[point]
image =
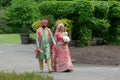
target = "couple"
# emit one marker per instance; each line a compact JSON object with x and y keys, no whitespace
{"x":56,"y":54}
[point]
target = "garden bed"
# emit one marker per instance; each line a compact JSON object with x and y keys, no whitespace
{"x":98,"y":55}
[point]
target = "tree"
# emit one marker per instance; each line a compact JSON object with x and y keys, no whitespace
{"x":5,"y":3}
{"x":21,"y":13}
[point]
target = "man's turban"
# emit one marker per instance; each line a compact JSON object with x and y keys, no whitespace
{"x":43,"y":22}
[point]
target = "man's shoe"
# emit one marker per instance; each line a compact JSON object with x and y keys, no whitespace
{"x":50,"y":71}
{"x":41,"y":71}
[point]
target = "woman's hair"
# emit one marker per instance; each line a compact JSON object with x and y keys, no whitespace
{"x":60,"y":28}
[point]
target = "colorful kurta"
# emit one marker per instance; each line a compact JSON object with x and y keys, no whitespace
{"x":62,"y":59}
{"x":43,"y":42}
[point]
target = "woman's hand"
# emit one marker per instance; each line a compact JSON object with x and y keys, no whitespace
{"x":53,"y":55}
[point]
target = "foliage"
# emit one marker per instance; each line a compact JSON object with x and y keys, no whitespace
{"x":101,"y":17}
{"x":114,"y":30}
{"x":58,"y":9}
{"x":3,"y":22}
{"x":100,"y":28}
{"x":85,"y":10}
{"x":5,"y":3}
{"x":36,"y":25}
{"x":50,"y":19}
{"x":8,"y":30}
{"x":21,"y":13}
{"x":101,"y":9}
{"x":115,"y":10}
{"x":67,"y":23}
{"x":23,"y":76}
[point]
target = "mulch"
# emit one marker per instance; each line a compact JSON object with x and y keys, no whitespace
{"x":98,"y":55}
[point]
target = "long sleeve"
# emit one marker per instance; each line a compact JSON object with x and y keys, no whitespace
{"x":37,"y":43}
{"x":53,"y":39}
{"x":38,"y":34}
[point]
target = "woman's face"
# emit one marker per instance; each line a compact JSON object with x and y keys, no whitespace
{"x":62,"y":29}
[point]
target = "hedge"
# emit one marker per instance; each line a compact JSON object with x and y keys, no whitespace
{"x":99,"y":17}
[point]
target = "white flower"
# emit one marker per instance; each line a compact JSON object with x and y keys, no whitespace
{"x":66,"y":39}
{"x":66,"y":33}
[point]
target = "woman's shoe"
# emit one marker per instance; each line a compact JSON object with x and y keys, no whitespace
{"x":67,"y":70}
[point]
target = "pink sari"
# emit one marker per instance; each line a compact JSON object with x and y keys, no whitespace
{"x":62,"y":59}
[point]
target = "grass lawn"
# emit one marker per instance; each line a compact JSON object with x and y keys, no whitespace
{"x":23,"y":76}
{"x":12,"y":38}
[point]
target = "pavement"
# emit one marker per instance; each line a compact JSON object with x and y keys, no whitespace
{"x":20,"y":58}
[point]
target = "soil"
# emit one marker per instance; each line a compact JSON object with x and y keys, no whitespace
{"x":100,"y":55}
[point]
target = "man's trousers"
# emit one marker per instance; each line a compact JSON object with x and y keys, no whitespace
{"x":41,"y":61}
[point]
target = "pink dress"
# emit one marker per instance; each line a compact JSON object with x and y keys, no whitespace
{"x":62,"y":59}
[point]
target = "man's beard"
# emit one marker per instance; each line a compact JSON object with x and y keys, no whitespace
{"x":44,"y":27}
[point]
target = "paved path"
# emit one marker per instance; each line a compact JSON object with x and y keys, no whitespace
{"x":20,"y":58}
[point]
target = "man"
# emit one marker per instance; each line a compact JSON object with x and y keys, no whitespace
{"x":44,"y":38}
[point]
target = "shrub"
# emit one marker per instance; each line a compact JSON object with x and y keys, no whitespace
{"x":86,"y":16}
{"x":67,"y":23}
{"x":114,"y":17}
{"x":101,"y":9}
{"x":50,"y":19}
{"x":21,"y":13}
{"x":8,"y":30}
{"x":36,"y":25}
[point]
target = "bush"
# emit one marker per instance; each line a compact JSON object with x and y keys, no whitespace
{"x":115,"y":10}
{"x":1,"y":32}
{"x":86,"y":16}
{"x":50,"y":19}
{"x":67,"y":23}
{"x":8,"y":30}
{"x":37,"y":24}
{"x":58,"y":9}
{"x":114,"y":17}
{"x":21,"y":13}
{"x":100,"y":28}
{"x":101,"y":9}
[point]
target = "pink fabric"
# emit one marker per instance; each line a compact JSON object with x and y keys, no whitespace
{"x":51,"y":45}
{"x":62,"y":59}
{"x":44,"y":22}
{"x":58,"y":37}
{"x":39,"y":33}
{"x":36,"y":51}
{"x":51,"y":48}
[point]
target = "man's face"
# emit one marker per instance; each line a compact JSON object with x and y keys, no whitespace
{"x":44,"y":26}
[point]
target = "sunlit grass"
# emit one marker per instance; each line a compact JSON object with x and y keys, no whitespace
{"x":23,"y":76}
{"x":33,"y":35}
{"x":12,"y":38}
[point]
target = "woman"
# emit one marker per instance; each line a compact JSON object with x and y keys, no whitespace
{"x":61,"y":60}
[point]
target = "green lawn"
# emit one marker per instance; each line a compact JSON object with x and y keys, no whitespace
{"x":23,"y":76}
{"x":12,"y":38}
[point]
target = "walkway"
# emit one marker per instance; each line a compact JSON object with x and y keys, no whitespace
{"x":20,"y":58}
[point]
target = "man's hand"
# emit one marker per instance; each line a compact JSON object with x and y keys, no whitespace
{"x":40,"y":50}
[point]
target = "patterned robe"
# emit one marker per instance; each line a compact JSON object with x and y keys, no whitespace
{"x":62,"y":59}
{"x":44,"y":38}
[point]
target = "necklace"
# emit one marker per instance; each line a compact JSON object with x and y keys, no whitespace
{"x":62,"y":33}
